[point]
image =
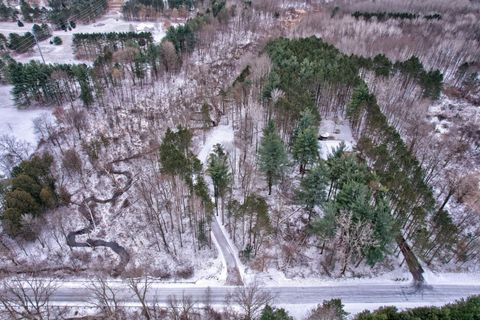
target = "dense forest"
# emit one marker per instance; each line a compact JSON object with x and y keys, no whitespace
{"x":316,"y":66}
{"x":92,"y":45}
{"x":382,"y":16}
{"x":152,"y":9}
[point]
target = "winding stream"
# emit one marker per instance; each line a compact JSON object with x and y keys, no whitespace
{"x":87,"y":210}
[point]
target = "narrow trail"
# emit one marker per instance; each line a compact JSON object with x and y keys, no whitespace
{"x":87,"y":210}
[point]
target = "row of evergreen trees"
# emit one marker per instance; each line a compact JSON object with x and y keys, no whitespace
{"x":151,"y":9}
{"x":302,"y":69}
{"x":382,"y":16}
{"x":333,"y":309}
{"x":18,"y":43}
{"x":430,"y":81}
{"x":46,"y":84}
{"x":91,"y":45}
{"x":413,"y":204}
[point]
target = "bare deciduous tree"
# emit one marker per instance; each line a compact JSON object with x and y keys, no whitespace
{"x":12,"y":152}
{"x":169,"y":55}
{"x":71,"y":162}
{"x":182,"y":309}
{"x":28,"y":298}
{"x":44,"y":128}
{"x":105,"y":297}
{"x":251,"y":299}
{"x":140,"y":289}
{"x":352,"y":237}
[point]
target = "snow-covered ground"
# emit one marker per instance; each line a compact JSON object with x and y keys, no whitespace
{"x":16,"y":122}
{"x":222,"y":134}
{"x":338,"y":131}
{"x":64,"y":53}
{"x":19,"y":123}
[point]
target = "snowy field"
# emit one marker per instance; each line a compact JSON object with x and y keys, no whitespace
{"x":64,"y":53}
{"x":13,"y":121}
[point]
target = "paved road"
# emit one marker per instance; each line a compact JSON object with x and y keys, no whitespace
{"x":233,"y":273}
{"x":379,"y":294}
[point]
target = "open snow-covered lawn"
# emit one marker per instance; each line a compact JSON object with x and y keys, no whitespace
{"x":64,"y":53}
{"x":16,"y":122}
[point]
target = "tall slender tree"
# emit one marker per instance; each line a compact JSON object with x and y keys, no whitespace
{"x":312,"y":191}
{"x":219,"y":171}
{"x":304,"y":141}
{"x":272,"y":155}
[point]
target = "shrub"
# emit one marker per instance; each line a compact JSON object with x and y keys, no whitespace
{"x":57,"y":40}
{"x":71,"y":161}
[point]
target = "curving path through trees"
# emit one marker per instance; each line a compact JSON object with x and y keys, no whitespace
{"x":87,"y":210}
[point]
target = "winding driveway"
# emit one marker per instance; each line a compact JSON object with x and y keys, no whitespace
{"x":233,"y":273}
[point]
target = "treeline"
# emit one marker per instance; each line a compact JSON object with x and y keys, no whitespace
{"x":29,"y":193}
{"x":303,"y":70}
{"x":411,"y":198}
{"x":184,"y":172}
{"x":382,"y":16}
{"x":430,"y":81}
{"x":46,"y":84}
{"x":91,"y":45}
{"x":467,"y":309}
{"x":64,"y":14}
{"x":151,"y":9}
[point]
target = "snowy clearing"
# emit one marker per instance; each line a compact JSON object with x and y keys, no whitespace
{"x":338,"y":131}
{"x":64,"y":53}
{"x":16,"y":122}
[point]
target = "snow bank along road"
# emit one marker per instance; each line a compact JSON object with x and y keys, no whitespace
{"x":77,"y":295}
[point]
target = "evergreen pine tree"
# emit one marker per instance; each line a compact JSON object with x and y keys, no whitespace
{"x":312,"y":190}
{"x":304,"y":141}
{"x":270,"y":313}
{"x":219,"y":171}
{"x":272,"y":155}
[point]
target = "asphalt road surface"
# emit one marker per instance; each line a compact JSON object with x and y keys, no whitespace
{"x":233,"y":273}
{"x":387,"y":294}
